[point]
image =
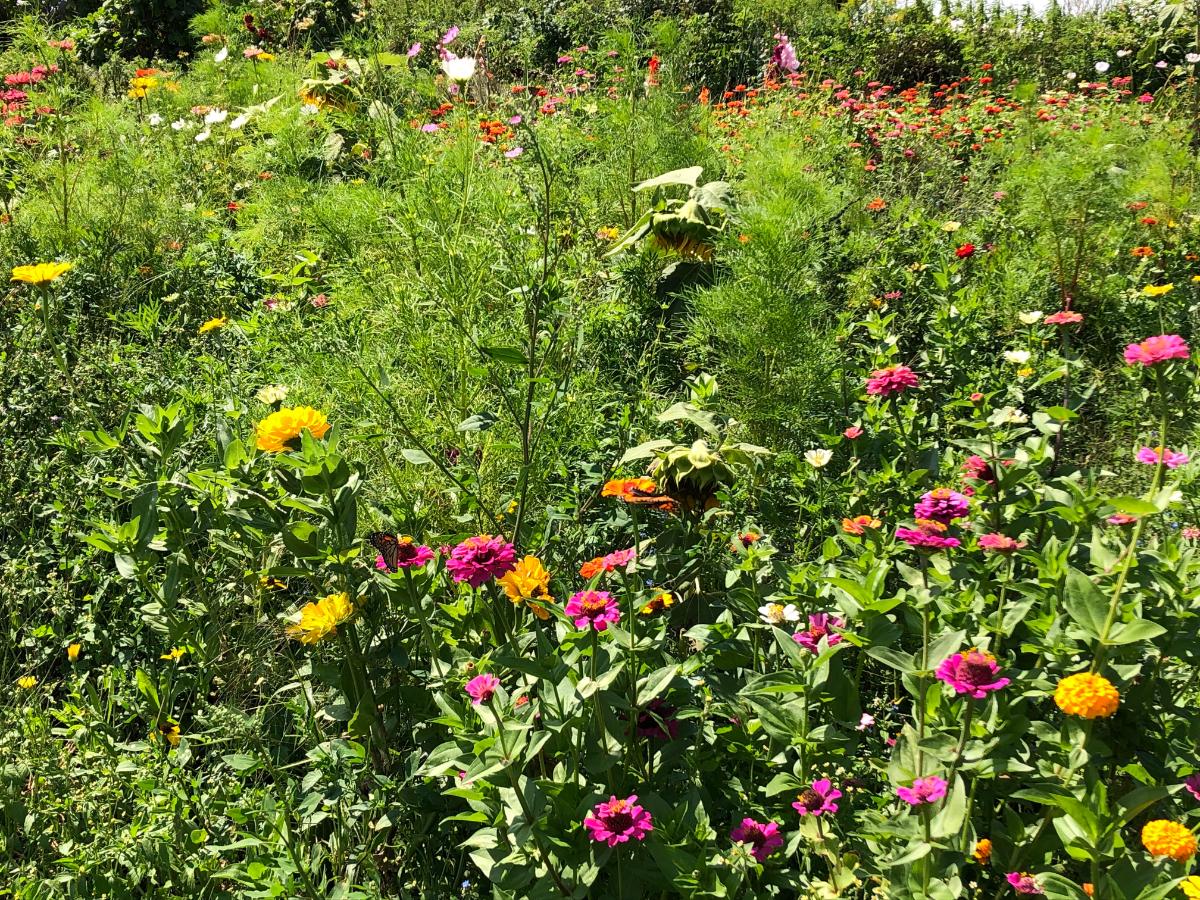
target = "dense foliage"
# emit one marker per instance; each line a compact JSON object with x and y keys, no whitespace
{"x":539,"y":458}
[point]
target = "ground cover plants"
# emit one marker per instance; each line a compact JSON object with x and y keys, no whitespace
{"x":429,"y":475}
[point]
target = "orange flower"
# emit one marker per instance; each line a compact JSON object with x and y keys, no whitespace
{"x":1142,"y":252}
{"x":638,"y":490}
{"x":592,"y":568}
{"x":859,"y":524}
{"x":877,"y":204}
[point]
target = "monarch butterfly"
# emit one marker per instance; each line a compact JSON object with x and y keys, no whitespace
{"x":389,"y":547}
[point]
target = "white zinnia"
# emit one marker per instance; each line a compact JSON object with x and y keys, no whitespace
{"x":1101,"y":68}
{"x":221,"y":55}
{"x":459,"y":68}
{"x":272,"y":393}
{"x":777,"y":613}
{"x":1029,"y":318}
{"x":215,"y":116}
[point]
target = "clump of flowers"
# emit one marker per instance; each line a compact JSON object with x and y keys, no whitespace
{"x":820,"y":626}
{"x":1023,"y":883}
{"x":320,"y":619}
{"x":942,"y":505}
{"x":1162,"y":837}
{"x":1087,"y":695}
{"x":763,"y":837}
{"x":1152,"y":456}
{"x":528,"y":582}
{"x":891,"y":380}
{"x":972,"y":672}
{"x":818,"y":799}
{"x":593,"y":609}
{"x":481,"y":558}
{"x":1157,"y":349}
{"x":610,"y":562}
{"x":482,"y":688}
{"x":281,"y":430}
{"x":618,"y":821}
{"x":929,"y":789}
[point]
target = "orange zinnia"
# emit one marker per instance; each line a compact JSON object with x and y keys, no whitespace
{"x":637,"y":490}
{"x":859,"y":524}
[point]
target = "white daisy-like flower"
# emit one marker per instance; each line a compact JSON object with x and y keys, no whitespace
{"x":778,"y":613}
{"x":459,"y":68}
{"x":1031,"y":317}
{"x":1017,"y":357}
{"x":818,"y":458}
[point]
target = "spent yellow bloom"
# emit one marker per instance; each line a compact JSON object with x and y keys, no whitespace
{"x":319,"y":620}
{"x":28,"y":682}
{"x":213,"y":325}
{"x":1162,"y":837}
{"x":529,"y":583}
{"x":281,"y":430}
{"x":950,"y":227}
{"x":1157,"y":290}
{"x":39,"y":273}
{"x":1087,"y":695}
{"x":271,"y":394}
{"x":73,"y":651}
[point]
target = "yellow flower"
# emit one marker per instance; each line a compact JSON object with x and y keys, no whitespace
{"x":983,"y":851}
{"x":73,"y":652}
{"x":1191,"y":887}
{"x":321,"y":619}
{"x":950,"y":227}
{"x":175,"y":654}
{"x":39,"y":273}
{"x":658,"y":602}
{"x":1195,"y":278}
{"x":1162,"y":837}
{"x":1157,"y":290}
{"x":28,"y":682}
{"x":213,"y":325}
{"x":1088,"y":696}
{"x":529,"y":583}
{"x":168,"y":730}
{"x":265,"y":56}
{"x":281,"y":430}
{"x":1024,"y":372}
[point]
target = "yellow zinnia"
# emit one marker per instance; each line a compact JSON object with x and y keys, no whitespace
{"x":1162,"y":837}
{"x":1191,"y":887}
{"x":213,"y":325}
{"x":73,"y":652}
{"x":1088,"y":696}
{"x":28,"y":682}
{"x":658,"y":602}
{"x":529,"y":582}
{"x":175,"y":654}
{"x":320,"y":619}
{"x":983,"y":851}
{"x":39,"y":273}
{"x":281,"y":430}
{"x":1157,"y":290}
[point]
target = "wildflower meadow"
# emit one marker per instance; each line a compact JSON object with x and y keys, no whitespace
{"x":599,"y":451}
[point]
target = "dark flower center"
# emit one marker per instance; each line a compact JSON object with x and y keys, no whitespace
{"x":810,"y":799}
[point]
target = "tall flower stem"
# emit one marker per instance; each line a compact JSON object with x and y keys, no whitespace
{"x":923,"y":674}
{"x":419,"y":611}
{"x":962,"y":745}
{"x":1008,"y":576}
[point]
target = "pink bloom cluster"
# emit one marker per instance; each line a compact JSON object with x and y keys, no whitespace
{"x":481,"y":688}
{"x":972,"y":672}
{"x":926,"y":537}
{"x":616,"y":821}
{"x":942,"y":505}
{"x":891,"y":380}
{"x":1152,"y":456}
{"x":763,"y":837}
{"x":1023,"y":883}
{"x":593,"y":609}
{"x":819,"y":626}
{"x":33,"y":76}
{"x":930,"y":789}
{"x":1000,"y":543}
{"x":1154,"y":350}
{"x":817,"y":800}
{"x":481,"y":558}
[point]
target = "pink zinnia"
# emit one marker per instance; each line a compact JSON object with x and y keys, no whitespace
{"x":1190,"y":533}
{"x":977,"y":468}
{"x":1066,"y":317}
{"x":818,"y":799}
{"x":1156,"y":349}
{"x":819,"y":625}
{"x":1000,"y":543}
{"x":942,"y":505}
{"x":926,"y":539}
{"x":481,"y":558}
{"x":891,"y":380}
{"x":482,"y":687}
{"x":616,"y":821}
{"x":763,"y":837}
{"x":852,"y":433}
{"x":972,"y":672}
{"x":1152,"y":456}
{"x":924,"y":790}
{"x":1121,"y":519}
{"x":593,"y":609}
{"x":409,"y":555}
{"x":1192,"y":783}
{"x":658,"y":720}
{"x":1023,"y":883}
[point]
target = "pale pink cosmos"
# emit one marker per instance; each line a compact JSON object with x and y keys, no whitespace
{"x":817,"y":800}
{"x":482,"y":688}
{"x":1154,"y":350}
{"x":1152,"y":456}
{"x":972,"y":672}
{"x":929,"y":789}
{"x":763,"y":837}
{"x":616,"y":821}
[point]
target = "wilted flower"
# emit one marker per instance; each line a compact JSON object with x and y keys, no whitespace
{"x":617,"y":821}
{"x":763,"y":837}
{"x":657,"y":720}
{"x":817,"y":800}
{"x":929,"y":789}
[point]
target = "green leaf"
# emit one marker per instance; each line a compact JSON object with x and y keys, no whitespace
{"x":511,"y":356}
{"x":1134,"y":506}
{"x":1055,"y":886}
{"x":478,"y":422}
{"x":242,"y":763}
{"x":655,"y":683}
{"x":1137,"y":630}
{"x":1084,"y":603}
{"x":685,"y":177}
{"x":901,"y":662}
{"x":416,"y":457}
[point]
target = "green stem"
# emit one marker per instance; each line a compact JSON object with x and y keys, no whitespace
{"x":427,"y":631}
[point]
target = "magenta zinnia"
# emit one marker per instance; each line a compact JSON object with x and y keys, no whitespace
{"x":593,"y":609}
{"x":763,"y":837}
{"x":891,"y":380}
{"x":479,"y":559}
{"x":1152,"y":456}
{"x":481,"y":688}
{"x":924,"y":790}
{"x":819,"y":625}
{"x":926,"y":537}
{"x":658,"y":720}
{"x":409,"y":555}
{"x":817,"y":799}
{"x":972,"y":672}
{"x":616,"y":821}
{"x":942,"y":505}
{"x":1192,"y":783}
{"x":1023,"y":883}
{"x":1154,"y":350}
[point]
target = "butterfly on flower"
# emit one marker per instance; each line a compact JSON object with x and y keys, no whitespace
{"x":398,"y":552}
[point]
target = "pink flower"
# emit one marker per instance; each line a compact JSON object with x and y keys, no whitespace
{"x":1152,"y":456}
{"x":942,"y":505}
{"x":414,"y":50}
{"x":1066,"y":317}
{"x":593,"y":609}
{"x":891,"y":380}
{"x":658,"y":720}
{"x":1190,"y":533}
{"x":818,"y":799}
{"x":977,"y":469}
{"x":924,"y":790}
{"x":1192,"y":783}
{"x":1023,"y":883}
{"x":408,"y":555}
{"x":449,"y":36}
{"x":482,"y":687}
{"x":481,"y":558}
{"x":1145,"y":98}
{"x":430,"y":127}
{"x":972,"y":672}
{"x":866,"y":721}
{"x":1000,"y":543}
{"x":320,"y":301}
{"x":1154,"y":350}
{"x":514,"y":152}
{"x":819,"y":625}
{"x":1121,"y":519}
{"x":926,"y":539}
{"x":616,"y":821}
{"x":852,"y":433}
{"x":763,"y":837}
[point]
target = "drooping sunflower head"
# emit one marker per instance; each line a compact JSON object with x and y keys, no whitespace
{"x":281,"y":430}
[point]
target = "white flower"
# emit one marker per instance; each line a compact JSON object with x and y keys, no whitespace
{"x":203,"y":136}
{"x":221,"y":55}
{"x":1017,"y":357}
{"x":1007,"y":415}
{"x":271,"y":394}
{"x":179,"y":124}
{"x":866,"y":721}
{"x":777,"y":613}
{"x":239,"y":121}
{"x":1121,"y":54}
{"x":956,"y":24}
{"x":1101,"y":68}
{"x":1192,"y":58}
{"x":309,"y":109}
{"x":217,"y":115}
{"x":154,"y":119}
{"x":459,"y":68}
{"x":951,"y":226}
{"x":818,"y":458}
{"x":1029,"y":318}
{"x":1071,"y":76}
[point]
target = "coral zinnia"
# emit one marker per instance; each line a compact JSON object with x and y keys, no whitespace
{"x":281,"y":430}
{"x":39,"y":273}
{"x":593,"y":609}
{"x":1154,"y":350}
{"x":480,"y":558}
{"x":320,"y":619}
{"x":972,"y":672}
{"x":1065,"y":317}
{"x":528,"y":582}
{"x":891,"y":380}
{"x":763,"y":837}
{"x":1087,"y":695}
{"x":817,"y":800}
{"x":1000,"y":543}
{"x":860,"y":524}
{"x":616,"y":821}
{"x":1162,"y":837}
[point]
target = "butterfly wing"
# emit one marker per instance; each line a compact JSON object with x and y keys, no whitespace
{"x":388,"y":546}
